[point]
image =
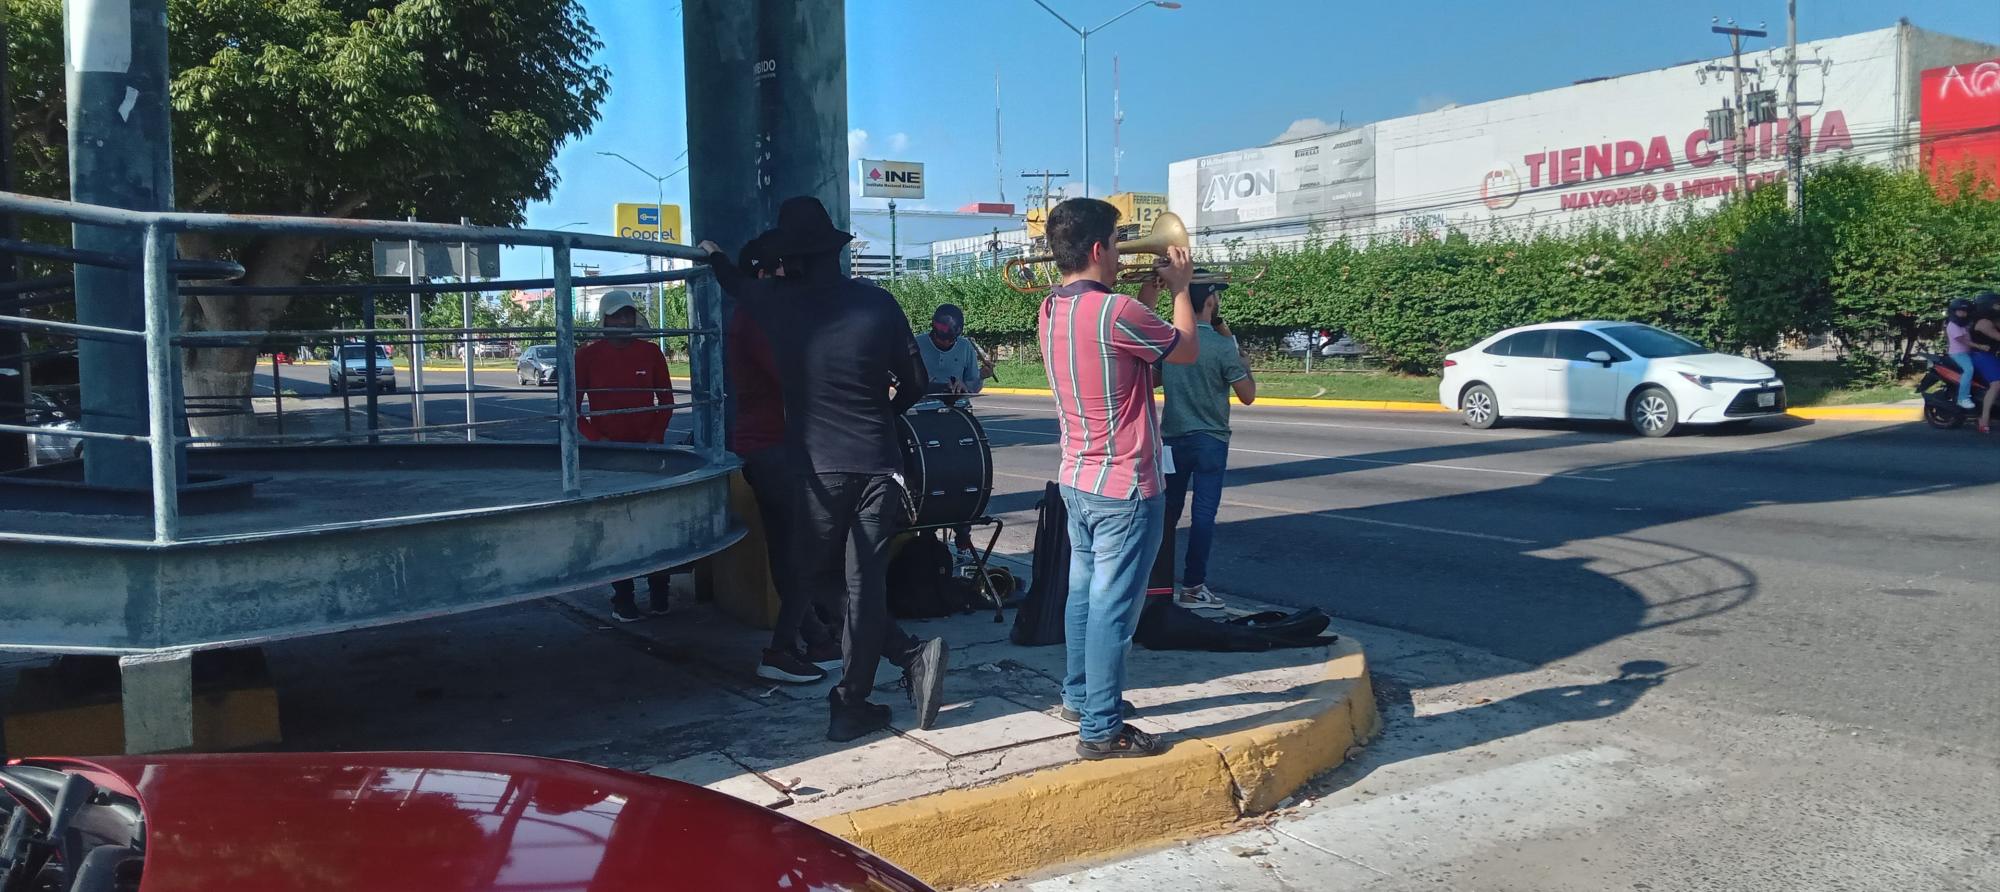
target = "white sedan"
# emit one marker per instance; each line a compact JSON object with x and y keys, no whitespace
{"x":1654,"y":379}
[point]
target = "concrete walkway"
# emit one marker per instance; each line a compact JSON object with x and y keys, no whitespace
{"x":994,"y":791}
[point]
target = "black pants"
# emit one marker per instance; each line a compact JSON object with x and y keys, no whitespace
{"x":849,"y":520}
{"x":656,"y":584}
{"x":779,"y":488}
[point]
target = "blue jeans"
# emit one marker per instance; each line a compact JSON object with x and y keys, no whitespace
{"x":1112,"y":543}
{"x":1199,"y":458}
{"x":1965,"y":368}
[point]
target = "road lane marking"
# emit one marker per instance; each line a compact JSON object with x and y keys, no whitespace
{"x":1330,"y":514}
{"x":1368,"y":461}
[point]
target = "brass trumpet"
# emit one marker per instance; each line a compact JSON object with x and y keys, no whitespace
{"x":1168,"y":232}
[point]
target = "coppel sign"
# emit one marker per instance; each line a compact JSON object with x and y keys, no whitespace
{"x":648,"y":221}
{"x":892,"y":179}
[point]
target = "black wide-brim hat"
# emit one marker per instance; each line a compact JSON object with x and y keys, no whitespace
{"x":804,"y":227}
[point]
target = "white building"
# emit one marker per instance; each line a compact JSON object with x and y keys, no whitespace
{"x":1617,"y":150}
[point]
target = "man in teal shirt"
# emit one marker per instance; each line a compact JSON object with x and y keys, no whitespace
{"x":1195,"y":425}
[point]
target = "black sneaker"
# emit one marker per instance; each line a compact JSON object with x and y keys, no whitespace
{"x":1125,"y":708}
{"x":624,"y":609}
{"x":859,"y":720}
{"x":826,"y":655}
{"x":788,"y":667}
{"x":1130,"y":743}
{"x":924,"y":680}
{"x":658,"y":604}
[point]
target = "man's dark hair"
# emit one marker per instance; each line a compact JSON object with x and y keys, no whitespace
{"x":1077,"y":225}
{"x":1199,"y":296}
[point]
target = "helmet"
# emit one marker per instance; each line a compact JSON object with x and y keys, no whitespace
{"x":1986,"y":305}
{"x":1959,"y":308}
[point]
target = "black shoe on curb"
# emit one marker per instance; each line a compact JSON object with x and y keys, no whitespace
{"x":826,"y":655}
{"x":625,"y":610}
{"x":788,"y":667}
{"x":658,"y":604}
{"x":1125,"y":708}
{"x":924,"y":679}
{"x":852,"y":722}
{"x":1130,"y":743}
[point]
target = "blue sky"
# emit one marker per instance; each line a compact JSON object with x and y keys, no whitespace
{"x":1211,"y":76}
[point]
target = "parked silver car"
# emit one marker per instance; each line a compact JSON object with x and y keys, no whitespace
{"x":46,"y":413}
{"x":537,"y":365}
{"x":350,"y":368}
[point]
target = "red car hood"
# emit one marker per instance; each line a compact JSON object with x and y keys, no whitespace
{"x":376,"y":822}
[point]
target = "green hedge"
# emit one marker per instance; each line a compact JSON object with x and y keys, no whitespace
{"x":1873,"y":261}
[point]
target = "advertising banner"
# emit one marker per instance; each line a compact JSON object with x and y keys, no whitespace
{"x":648,"y":221}
{"x":1326,"y":176}
{"x":892,"y":179}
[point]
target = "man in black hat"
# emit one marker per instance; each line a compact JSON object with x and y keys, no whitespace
{"x":842,"y":346}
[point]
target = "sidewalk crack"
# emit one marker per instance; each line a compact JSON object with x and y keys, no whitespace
{"x":1329,"y":852}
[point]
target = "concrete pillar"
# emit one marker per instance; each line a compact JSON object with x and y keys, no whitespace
{"x":157,"y":692}
{"x":13,"y":343}
{"x":120,"y":154}
{"x":767,"y":112}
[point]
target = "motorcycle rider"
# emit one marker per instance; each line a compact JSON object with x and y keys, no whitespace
{"x":1958,"y":343}
{"x":1985,"y":342}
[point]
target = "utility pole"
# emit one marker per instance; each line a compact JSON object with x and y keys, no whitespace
{"x":1795,"y":182}
{"x":465,"y":337}
{"x":1740,"y":118}
{"x":1117,"y":125}
{"x":892,"y":238}
{"x":1044,"y":174}
{"x":999,"y":179}
{"x":416,"y":342}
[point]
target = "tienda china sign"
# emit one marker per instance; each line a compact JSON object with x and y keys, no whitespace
{"x":1627,"y":158}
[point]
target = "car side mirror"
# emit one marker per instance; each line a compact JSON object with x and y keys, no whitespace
{"x":1598,"y":356}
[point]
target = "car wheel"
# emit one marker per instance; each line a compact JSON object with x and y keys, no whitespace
{"x":1479,"y":407}
{"x":1653,"y":412}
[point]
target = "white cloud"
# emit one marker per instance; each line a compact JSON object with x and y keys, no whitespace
{"x":857,"y":143}
{"x":1304,"y":127}
{"x":898,"y":142}
{"x":1433,"y":101}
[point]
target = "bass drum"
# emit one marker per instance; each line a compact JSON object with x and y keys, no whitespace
{"x":947,"y":463}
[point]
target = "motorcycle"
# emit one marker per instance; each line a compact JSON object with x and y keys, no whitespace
{"x":1939,"y":388}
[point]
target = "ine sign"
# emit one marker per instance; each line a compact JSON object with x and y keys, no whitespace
{"x":892,"y":179}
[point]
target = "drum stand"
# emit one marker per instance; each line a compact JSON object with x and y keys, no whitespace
{"x":981,"y":555}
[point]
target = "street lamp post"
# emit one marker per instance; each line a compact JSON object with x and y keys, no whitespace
{"x":659,"y":235}
{"x":1083,"y":44}
{"x":545,"y":257}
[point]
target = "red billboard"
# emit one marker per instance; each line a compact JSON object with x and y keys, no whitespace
{"x":1961,"y":123}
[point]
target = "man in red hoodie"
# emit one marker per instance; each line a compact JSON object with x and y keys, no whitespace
{"x":619,"y":374}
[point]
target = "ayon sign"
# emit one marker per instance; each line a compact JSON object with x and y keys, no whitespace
{"x":892,"y":179}
{"x":1232,"y":186}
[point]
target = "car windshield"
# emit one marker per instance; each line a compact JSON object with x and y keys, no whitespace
{"x":354,"y":351}
{"x":1653,"y":343}
{"x":541,"y":352}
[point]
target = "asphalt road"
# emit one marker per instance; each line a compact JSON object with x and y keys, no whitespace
{"x":1845,"y":571}
{"x":1755,"y":659}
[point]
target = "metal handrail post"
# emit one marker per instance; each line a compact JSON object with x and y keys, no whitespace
{"x":705,"y":365}
{"x":566,"y":433}
{"x":161,"y":440}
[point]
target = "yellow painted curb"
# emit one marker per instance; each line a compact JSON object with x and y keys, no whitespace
{"x":1092,"y":809}
{"x":1858,"y":413}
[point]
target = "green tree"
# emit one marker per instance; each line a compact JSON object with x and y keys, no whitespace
{"x":334,"y":108}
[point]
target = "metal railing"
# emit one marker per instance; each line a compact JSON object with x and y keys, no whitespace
{"x":163,"y":344}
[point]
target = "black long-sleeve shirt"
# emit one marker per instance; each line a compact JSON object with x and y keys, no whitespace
{"x":840,"y":345}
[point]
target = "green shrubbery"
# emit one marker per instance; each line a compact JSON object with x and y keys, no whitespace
{"x":1873,"y":262}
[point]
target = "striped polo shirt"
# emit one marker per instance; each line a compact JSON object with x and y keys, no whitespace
{"x":1099,"y":347}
